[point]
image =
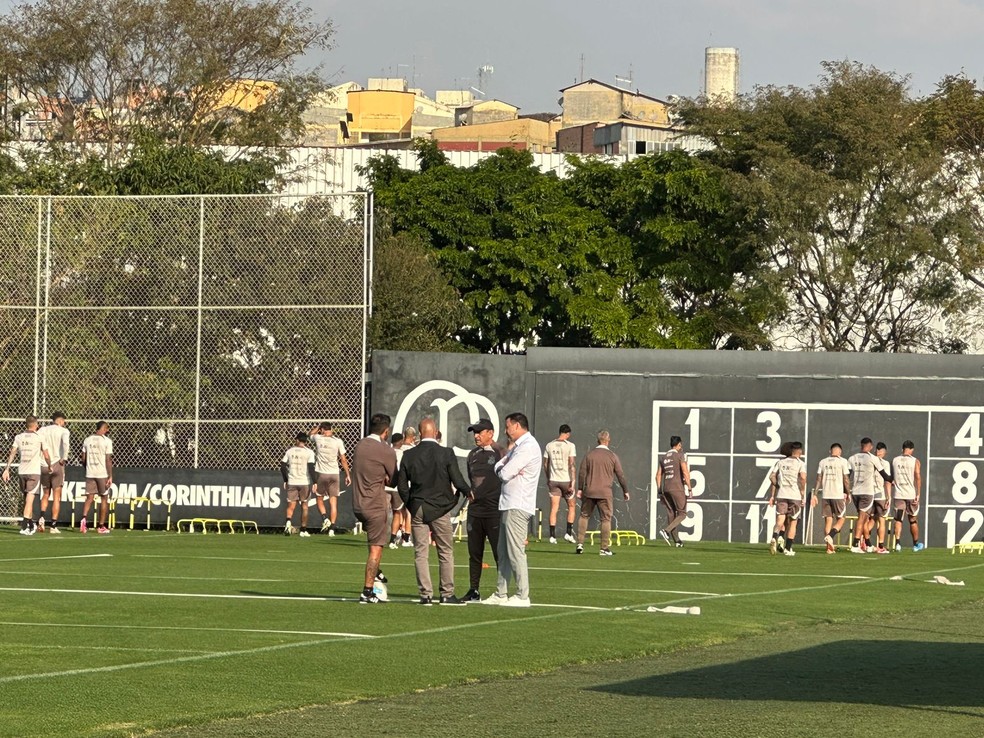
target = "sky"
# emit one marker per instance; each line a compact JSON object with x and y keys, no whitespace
{"x":535,"y":46}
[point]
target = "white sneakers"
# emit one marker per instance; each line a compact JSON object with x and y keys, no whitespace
{"x":517,"y":601}
{"x":569,"y":537}
{"x":552,"y":539}
{"x":304,"y":534}
{"x":495,"y":599}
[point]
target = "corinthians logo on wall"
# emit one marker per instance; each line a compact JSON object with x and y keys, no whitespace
{"x":455,"y":408}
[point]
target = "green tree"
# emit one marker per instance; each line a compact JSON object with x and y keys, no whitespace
{"x":414,"y":307}
{"x":191,"y":71}
{"x":847,"y":178}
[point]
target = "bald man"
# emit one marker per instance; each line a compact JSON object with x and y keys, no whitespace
{"x":427,"y":473}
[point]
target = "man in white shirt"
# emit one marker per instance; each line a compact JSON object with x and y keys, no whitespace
{"x":401,"y":532}
{"x":788,"y":493}
{"x":297,"y":469}
{"x":519,"y":471}
{"x":58,"y":440}
{"x":833,"y":487}
{"x":907,"y":472}
{"x":34,"y":456}
{"x":864,"y":473}
{"x":560,"y":463}
{"x":97,"y":457}
{"x":330,"y":452}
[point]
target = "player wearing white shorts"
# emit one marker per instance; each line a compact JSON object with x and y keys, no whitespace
{"x":97,"y":457}
{"x":329,"y":451}
{"x":788,"y":494}
{"x":400,"y":534}
{"x":907,"y":472}
{"x":833,"y":487}
{"x":297,"y":469}
{"x":34,"y":456}
{"x":559,"y":467}
{"x":58,"y":440}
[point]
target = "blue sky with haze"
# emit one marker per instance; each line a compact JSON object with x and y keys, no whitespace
{"x":535,"y":45}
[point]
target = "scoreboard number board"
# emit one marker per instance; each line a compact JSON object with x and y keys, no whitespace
{"x":732,"y":446}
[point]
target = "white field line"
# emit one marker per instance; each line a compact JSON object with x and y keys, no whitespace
{"x":632,"y":589}
{"x":387,"y":564}
{"x":48,"y":646}
{"x":355,"y":636}
{"x":202,"y":595}
{"x":143,"y":576}
{"x":53,"y":558}
{"x":411,"y":634}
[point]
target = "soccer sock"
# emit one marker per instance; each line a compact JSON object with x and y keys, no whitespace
{"x":393,"y":538}
{"x":775,"y":535}
{"x":789,"y":544}
{"x":553,"y":531}
{"x":25,"y":523}
{"x":570,"y":529}
{"x":834,"y":532}
{"x":856,"y":542}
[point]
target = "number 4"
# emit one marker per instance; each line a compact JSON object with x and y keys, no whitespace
{"x":969,"y":435}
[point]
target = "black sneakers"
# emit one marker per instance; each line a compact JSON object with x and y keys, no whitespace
{"x":368,"y":597}
{"x":579,"y":549}
{"x":426,"y":601}
{"x":451,"y":600}
{"x":472,"y":595}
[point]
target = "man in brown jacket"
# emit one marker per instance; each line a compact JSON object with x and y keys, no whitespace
{"x":374,"y":468}
{"x":600,"y":468}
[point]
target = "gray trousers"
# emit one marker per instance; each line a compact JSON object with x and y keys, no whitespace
{"x":441,"y":528}
{"x":513,"y":529}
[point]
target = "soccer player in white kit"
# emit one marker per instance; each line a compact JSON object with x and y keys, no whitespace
{"x":97,"y":457}
{"x":788,"y":494}
{"x":297,"y":469}
{"x":58,"y":440}
{"x":30,"y":446}
{"x":864,"y":473}
{"x":908,"y":483}
{"x":559,"y":466}
{"x":833,"y":486}
{"x":329,"y":451}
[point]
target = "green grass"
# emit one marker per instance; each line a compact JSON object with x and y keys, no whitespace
{"x":784,"y":646}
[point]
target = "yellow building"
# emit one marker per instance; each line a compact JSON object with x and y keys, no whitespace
{"x":378,"y":115}
{"x":592,"y":101}
{"x":521,"y":133}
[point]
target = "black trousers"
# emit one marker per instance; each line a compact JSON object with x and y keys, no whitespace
{"x":481,"y":530}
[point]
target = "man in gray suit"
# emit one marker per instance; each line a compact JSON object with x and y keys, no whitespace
{"x":427,"y":473}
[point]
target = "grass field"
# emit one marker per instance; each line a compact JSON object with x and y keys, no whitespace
{"x":139,"y":633}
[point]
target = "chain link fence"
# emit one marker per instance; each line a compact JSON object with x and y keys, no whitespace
{"x":206,"y":330}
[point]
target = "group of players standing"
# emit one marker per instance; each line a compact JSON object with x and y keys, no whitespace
{"x":43,"y":453}
{"x":867,"y":478}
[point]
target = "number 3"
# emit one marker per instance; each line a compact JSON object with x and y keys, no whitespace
{"x":772,"y":422}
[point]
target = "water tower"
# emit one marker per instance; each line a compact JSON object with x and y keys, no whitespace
{"x":721,"y":74}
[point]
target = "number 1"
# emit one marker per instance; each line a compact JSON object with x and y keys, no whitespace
{"x":693,"y":420}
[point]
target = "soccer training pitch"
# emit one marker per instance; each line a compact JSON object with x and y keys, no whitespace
{"x":141,"y":633}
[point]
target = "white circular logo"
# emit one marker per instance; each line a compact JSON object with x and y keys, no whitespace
{"x":459,"y":396}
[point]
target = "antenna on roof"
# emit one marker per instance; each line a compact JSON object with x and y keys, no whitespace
{"x":626,"y":81}
{"x":485,"y":73}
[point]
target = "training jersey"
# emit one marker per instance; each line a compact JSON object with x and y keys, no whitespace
{"x":832,"y":471}
{"x":30,"y":445}
{"x":297,"y":459}
{"x":672,"y":466}
{"x":904,"y":471}
{"x":788,"y":473}
{"x":559,"y":454}
{"x":328,"y":449}
{"x":57,"y":440}
{"x":881,"y":465}
{"x":96,"y":449}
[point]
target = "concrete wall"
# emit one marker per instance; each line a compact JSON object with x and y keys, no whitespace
{"x":733,"y":411}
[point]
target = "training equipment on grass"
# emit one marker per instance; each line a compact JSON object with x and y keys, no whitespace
{"x":673,"y":610}
{"x":379,"y":589}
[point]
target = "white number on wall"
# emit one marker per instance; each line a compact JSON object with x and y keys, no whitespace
{"x":696,"y":475}
{"x":969,"y":435}
{"x":756,"y":517}
{"x":692,"y":529}
{"x":964,"y":488}
{"x":693,"y":420}
{"x":974,"y":517}
{"x":772,"y":440}
{"x":763,"y":489}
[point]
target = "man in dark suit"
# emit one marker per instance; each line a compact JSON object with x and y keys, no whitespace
{"x":427,"y":473}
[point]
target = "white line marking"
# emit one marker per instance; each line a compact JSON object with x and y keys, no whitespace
{"x":394,"y":564}
{"x":633,"y":589}
{"x":569,"y":607}
{"x":52,"y":558}
{"x":144,"y":576}
{"x":183,"y":627}
{"x":202,"y":595}
{"x":47,"y":646}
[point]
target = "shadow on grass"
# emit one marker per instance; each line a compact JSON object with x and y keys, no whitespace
{"x":890,"y":673}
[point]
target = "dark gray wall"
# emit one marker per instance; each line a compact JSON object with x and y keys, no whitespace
{"x":744,"y":405}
